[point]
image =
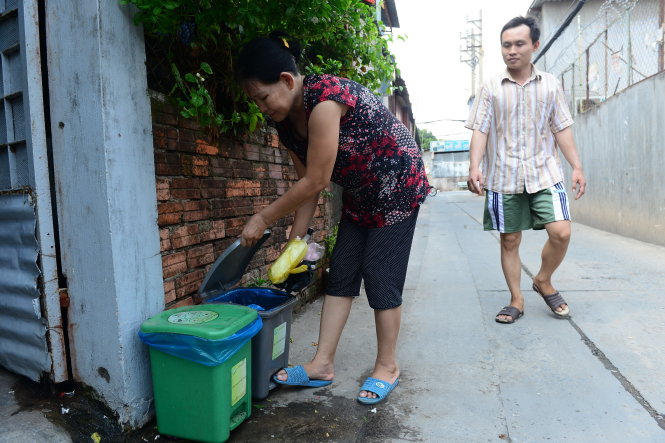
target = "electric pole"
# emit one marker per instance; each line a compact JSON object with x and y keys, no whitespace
{"x":471,"y":49}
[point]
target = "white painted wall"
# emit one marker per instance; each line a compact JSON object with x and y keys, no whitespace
{"x":622,"y":147}
{"x":105,"y":186}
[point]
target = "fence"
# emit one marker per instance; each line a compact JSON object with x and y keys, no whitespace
{"x":601,"y":54}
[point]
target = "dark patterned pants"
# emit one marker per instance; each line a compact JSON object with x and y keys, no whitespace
{"x":377,"y":256}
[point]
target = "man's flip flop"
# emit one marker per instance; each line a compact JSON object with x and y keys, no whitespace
{"x":554,"y":301}
{"x":298,"y":377}
{"x":512,"y":311}
{"x":381,"y":388}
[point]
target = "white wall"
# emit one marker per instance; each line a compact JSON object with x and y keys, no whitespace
{"x":105,"y":187}
{"x":622,"y":146}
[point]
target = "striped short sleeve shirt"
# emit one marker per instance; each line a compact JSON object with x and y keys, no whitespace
{"x":520,"y":121}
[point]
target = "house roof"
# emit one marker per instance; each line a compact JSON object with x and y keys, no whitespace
{"x":539,"y":3}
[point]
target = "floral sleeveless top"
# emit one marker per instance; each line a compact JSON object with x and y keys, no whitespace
{"x":378,"y":163}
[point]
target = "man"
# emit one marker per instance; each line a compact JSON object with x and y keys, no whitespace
{"x":518,"y":120}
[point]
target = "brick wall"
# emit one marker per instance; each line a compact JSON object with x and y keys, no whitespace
{"x":207,"y":191}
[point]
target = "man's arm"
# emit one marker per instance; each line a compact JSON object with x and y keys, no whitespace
{"x":564,"y":139}
{"x":476,"y":181}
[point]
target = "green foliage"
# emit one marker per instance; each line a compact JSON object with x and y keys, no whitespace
{"x":330,"y":240}
{"x":426,"y":137}
{"x":201,"y":37}
{"x":258,"y":282}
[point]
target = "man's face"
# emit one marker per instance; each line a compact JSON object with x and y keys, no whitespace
{"x":517,"y":47}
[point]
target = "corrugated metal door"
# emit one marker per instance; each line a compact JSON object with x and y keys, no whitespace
{"x":31,"y":336}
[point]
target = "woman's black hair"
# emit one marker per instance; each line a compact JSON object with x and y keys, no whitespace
{"x":265,"y":58}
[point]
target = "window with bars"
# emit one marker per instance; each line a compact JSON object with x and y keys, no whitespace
{"x":14,"y":167}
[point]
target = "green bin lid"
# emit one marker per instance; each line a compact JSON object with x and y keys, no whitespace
{"x":212,"y":321}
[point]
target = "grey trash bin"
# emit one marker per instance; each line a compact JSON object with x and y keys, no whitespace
{"x":270,"y":347}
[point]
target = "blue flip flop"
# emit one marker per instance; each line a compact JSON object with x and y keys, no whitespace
{"x":381,"y":388}
{"x":298,"y":377}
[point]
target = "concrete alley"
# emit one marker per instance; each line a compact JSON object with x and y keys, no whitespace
{"x":594,"y":378}
{"x":465,"y":378}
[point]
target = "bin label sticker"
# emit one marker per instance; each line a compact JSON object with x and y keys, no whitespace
{"x":192,"y":317}
{"x":279,"y":340}
{"x":238,"y":381}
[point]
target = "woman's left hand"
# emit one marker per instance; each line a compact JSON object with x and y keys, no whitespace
{"x":253,"y":230}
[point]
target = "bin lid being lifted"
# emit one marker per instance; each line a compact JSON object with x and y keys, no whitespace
{"x":230,"y":266}
{"x":212,"y":322}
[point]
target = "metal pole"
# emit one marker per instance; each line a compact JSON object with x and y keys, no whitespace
{"x":481,"y":51}
{"x":586,"y":104}
{"x":661,"y":55}
{"x":606,"y":66}
{"x":630,"y":51}
{"x":572,"y":88}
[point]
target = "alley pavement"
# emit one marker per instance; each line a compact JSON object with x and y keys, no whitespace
{"x":596,"y":377}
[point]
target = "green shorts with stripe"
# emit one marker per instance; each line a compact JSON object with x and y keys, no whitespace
{"x":508,"y":213}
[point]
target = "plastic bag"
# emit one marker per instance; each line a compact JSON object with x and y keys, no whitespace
{"x":314,"y":252}
{"x":201,"y":350}
{"x":266,"y":299}
{"x":287,"y":263}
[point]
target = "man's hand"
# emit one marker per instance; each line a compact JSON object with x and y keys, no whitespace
{"x":253,"y":230}
{"x":476,"y":182}
{"x":579,"y":183}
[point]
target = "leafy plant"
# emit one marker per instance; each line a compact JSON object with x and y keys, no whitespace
{"x":331,"y":239}
{"x":258,"y":282}
{"x":198,"y":39}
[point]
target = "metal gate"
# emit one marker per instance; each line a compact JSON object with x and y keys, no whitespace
{"x":31,"y":335}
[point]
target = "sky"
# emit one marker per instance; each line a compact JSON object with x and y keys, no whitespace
{"x":439,"y":84}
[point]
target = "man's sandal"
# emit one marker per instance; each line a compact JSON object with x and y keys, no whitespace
{"x":554,"y":301}
{"x":511,"y":311}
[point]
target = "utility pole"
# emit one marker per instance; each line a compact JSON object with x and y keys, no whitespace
{"x":471,"y":49}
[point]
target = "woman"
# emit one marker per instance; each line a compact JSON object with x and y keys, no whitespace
{"x":336,"y":129}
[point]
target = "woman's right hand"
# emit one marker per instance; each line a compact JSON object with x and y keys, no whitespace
{"x":253,"y":231}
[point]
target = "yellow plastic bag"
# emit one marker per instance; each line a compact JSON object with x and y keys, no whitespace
{"x":287,"y":262}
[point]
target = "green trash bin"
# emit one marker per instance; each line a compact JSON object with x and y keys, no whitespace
{"x":201,"y":365}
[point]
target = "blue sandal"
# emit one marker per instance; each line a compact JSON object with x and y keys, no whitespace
{"x":298,"y":377}
{"x":381,"y":388}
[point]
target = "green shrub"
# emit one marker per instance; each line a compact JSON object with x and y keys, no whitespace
{"x":191,"y":45}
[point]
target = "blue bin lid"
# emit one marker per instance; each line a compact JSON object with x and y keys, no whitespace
{"x":230,"y":266}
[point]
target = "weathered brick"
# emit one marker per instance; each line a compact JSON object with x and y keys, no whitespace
{"x":200,"y":256}
{"x":174,"y":259}
{"x":217,"y":231}
{"x":200,"y":261}
{"x":189,"y":278}
{"x":168,"y":219}
{"x":186,"y":240}
{"x":202,"y":147}
{"x":207,"y":191}
{"x":251,"y":152}
{"x":184,"y":302}
{"x":169,"y":291}
{"x":170,"y":207}
{"x":196,"y":215}
{"x":199,"y":251}
{"x":163,"y":192}
{"x":201,"y":171}
{"x":186,"y":194}
{"x":170,"y":271}
{"x":187,"y":290}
